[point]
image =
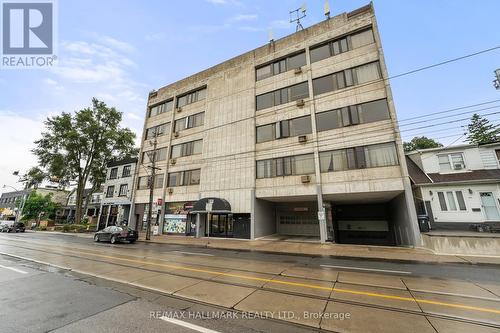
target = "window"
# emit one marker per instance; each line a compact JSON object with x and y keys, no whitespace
{"x":266,"y":133}
{"x":123,"y":190}
{"x":373,"y":111}
{"x":187,"y":149}
{"x":346,"y":78}
{"x":282,"y":96}
{"x":184,"y":178}
{"x":461,"y":201}
{"x":280,"y":66}
{"x":189,"y":122}
{"x":367,"y":73}
{"x":333,"y":160}
{"x":191,"y":97}
{"x":362,"y":38}
{"x":371,"y":156}
{"x":158,"y":180}
{"x":113,"y":174}
{"x":451,"y":200}
{"x":284,"y":129}
{"x":285,"y":166}
{"x":126,"y":171}
{"x":328,"y":120}
{"x":442,"y":201}
{"x":450,"y":162}
{"x":109,"y":191}
{"x":381,"y":155}
{"x":497,"y":152}
{"x":157,"y":131}
{"x":161,"y":108}
{"x":160,"y":155}
{"x":341,"y":45}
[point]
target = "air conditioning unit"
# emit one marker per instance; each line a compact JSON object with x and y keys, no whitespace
{"x":301,"y":103}
{"x":173,"y":161}
{"x":298,"y":70}
{"x":302,"y":138}
{"x":305,"y":179}
{"x":170,"y":190}
{"x":176,"y":134}
{"x":179,"y":109}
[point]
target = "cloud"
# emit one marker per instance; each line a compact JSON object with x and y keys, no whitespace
{"x":17,"y":140}
{"x":243,"y":17}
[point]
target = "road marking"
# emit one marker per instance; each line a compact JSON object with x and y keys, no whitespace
{"x":14,"y":269}
{"x":366,"y":269}
{"x":195,"y":253}
{"x":188,"y":325}
{"x":305,"y":285}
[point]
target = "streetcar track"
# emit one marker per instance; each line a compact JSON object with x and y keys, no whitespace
{"x":286,"y":292}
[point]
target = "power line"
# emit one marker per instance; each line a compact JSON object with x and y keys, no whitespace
{"x":458,"y":114}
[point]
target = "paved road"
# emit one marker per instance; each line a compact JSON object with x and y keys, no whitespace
{"x":306,"y":292}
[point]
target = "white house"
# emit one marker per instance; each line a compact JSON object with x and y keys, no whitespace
{"x":457,"y":187}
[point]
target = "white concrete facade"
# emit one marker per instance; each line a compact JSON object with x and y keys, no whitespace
{"x":230,"y":150}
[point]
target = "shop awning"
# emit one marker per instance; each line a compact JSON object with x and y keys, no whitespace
{"x":218,"y":206}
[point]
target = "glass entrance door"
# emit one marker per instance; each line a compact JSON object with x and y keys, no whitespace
{"x":221,"y":225}
{"x":489,"y":206}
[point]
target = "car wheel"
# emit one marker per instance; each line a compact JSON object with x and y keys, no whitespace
{"x":113,"y":240}
{"x":96,"y":238}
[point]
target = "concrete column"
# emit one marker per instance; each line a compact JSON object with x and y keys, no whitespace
{"x":198,"y":221}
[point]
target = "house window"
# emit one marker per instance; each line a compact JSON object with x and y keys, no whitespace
{"x":109,"y":192}
{"x":450,"y":162}
{"x":284,"y":129}
{"x":123,"y":190}
{"x":285,"y":166}
{"x":442,"y":201}
{"x":184,"y":178}
{"x":113,"y":174}
{"x":187,"y":149}
{"x":371,"y":156}
{"x":158,"y":180}
{"x":161,"y":108}
{"x":126,"y":171}
{"x":282,"y":96}
{"x":460,"y":199}
{"x":160,"y":155}
{"x":191,"y":97}
{"x":143,"y":183}
{"x":497,"y":152}
{"x":280,"y":66}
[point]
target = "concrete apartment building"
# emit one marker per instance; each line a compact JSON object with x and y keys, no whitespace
{"x":297,"y":138}
{"x":458,"y":186}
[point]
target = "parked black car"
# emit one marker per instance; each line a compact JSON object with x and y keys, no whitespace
{"x":12,"y":226}
{"x":115,"y":234}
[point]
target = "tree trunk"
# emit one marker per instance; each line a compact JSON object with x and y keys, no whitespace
{"x":79,"y":196}
{"x":87,"y":199}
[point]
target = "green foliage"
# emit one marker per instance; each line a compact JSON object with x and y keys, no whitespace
{"x":421,"y":142}
{"x":73,"y":228}
{"x":38,"y":205}
{"x":481,"y":131}
{"x":33,"y":177}
{"x":77,"y":147}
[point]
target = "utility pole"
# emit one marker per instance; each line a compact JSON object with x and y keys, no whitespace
{"x":153,"y":167}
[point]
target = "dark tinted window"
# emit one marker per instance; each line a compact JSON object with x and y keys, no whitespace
{"x":280,"y":66}
{"x":323,"y":84}
{"x":297,"y":61}
{"x":373,"y":111}
{"x":320,"y":53}
{"x":265,"y":101}
{"x":300,"y":126}
{"x":266,"y":133}
{"x":299,"y":91}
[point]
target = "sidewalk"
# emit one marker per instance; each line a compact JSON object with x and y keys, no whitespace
{"x":317,"y":249}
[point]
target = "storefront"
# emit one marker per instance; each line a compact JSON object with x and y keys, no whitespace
{"x":177,"y":219}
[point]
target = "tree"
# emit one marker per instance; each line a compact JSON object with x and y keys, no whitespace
{"x":76,"y":148}
{"x":37,"y":205}
{"x":33,"y":178}
{"x":421,"y":142}
{"x":481,"y":130}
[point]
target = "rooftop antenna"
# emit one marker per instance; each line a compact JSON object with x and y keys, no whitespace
{"x":327,"y":9}
{"x":270,"y":35}
{"x":296,"y":15}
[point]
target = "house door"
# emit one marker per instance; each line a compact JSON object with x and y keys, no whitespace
{"x":489,"y":206}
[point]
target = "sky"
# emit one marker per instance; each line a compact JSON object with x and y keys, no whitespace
{"x":120,"y":50}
